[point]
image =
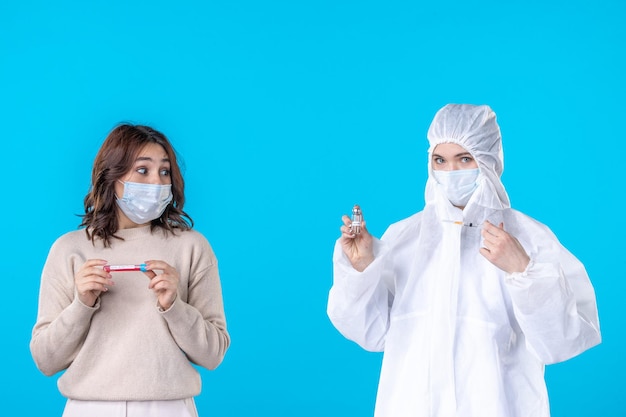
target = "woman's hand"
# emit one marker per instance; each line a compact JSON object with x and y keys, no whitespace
{"x":164,"y":285}
{"x":91,"y":280}
{"x":502,"y":249}
{"x":358,"y":248}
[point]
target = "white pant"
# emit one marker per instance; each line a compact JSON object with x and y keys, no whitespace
{"x":174,"y":408}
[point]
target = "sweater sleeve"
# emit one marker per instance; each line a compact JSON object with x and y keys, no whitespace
{"x":359,"y":302}
{"x":198,"y":325}
{"x":554,"y":303}
{"x":62,"y":320}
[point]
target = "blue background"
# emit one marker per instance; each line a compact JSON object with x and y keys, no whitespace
{"x":286,"y":113}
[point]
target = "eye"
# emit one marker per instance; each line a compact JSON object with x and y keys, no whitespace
{"x":164,"y":172}
{"x":466,"y":159}
{"x":142,"y":170}
{"x":438,"y":160}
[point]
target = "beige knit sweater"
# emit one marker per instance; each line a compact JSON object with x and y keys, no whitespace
{"x":124,"y":348}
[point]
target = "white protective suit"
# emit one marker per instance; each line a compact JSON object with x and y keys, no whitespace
{"x":461,"y":337}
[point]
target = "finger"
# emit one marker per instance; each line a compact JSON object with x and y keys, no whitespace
{"x":348,"y":235}
{"x":94,"y":286}
{"x":160,"y":282}
{"x":92,"y":274}
{"x":94,"y":262}
{"x":486,"y":253}
{"x":491,"y":230}
{"x":158,"y":265}
{"x":92,"y":265}
{"x":155,"y":280}
{"x":488,"y":237}
{"x":163,"y":286}
{"x":487,"y":246}
{"x":345,"y":229}
{"x":150,"y":274}
{"x":346,"y":220}
{"x":93,"y":278}
{"x":98,"y":271}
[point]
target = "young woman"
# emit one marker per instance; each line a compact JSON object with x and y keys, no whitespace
{"x":128,"y":339}
{"x":469,"y":298}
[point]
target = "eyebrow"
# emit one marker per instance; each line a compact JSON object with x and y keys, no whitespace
{"x":436,"y":155}
{"x":147,"y":158}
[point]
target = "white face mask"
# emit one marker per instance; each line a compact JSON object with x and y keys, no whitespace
{"x":143,"y":203}
{"x":458,"y":185}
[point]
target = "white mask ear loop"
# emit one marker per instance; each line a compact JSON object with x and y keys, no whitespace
{"x":123,"y":190}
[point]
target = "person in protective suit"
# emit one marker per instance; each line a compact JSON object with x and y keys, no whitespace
{"x":468,"y":299}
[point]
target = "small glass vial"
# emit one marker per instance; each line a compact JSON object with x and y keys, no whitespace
{"x":357,"y":218}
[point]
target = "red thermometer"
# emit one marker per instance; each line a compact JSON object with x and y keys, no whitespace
{"x":124,"y":268}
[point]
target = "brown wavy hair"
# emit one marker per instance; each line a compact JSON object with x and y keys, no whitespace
{"x":114,"y":159}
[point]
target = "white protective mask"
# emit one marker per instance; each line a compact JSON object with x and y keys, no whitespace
{"x":143,"y":203}
{"x":458,"y":185}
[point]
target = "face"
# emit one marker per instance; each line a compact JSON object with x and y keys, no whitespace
{"x":452,"y":157}
{"x":152,"y":166}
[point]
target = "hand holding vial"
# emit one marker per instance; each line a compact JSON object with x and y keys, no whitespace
{"x":356,"y":242}
{"x":91,"y":280}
